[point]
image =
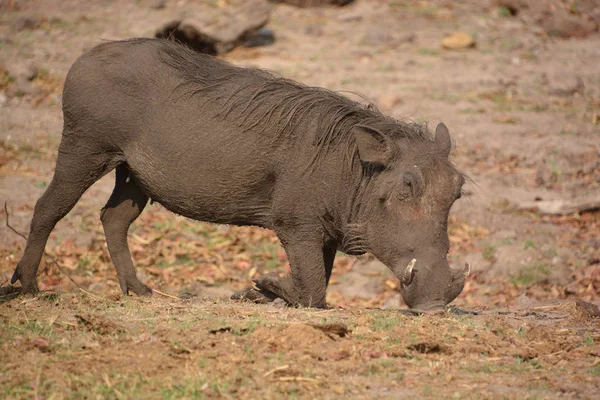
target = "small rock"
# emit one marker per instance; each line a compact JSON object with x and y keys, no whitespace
{"x":389,"y":101}
{"x":41,"y":344}
{"x":264,"y":37}
{"x":3,"y":99}
{"x":339,"y":389}
{"x":458,"y":41}
{"x":157,"y":4}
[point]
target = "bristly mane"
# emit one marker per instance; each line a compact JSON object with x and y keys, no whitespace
{"x":263,"y":101}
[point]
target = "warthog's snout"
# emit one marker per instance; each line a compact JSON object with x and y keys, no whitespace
{"x":430,"y":289}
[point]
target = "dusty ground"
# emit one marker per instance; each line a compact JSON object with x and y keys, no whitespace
{"x":524,"y":110}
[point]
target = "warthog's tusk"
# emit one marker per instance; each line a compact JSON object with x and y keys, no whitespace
{"x":409,"y":274}
{"x":467,"y":270}
{"x":411,"y":265}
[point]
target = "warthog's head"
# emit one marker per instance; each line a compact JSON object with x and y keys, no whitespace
{"x":405,"y":207}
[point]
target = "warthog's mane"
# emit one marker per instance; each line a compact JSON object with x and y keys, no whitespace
{"x":261,"y":100}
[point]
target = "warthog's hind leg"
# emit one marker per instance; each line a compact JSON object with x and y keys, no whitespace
{"x":76,"y":170}
{"x":124,"y":206}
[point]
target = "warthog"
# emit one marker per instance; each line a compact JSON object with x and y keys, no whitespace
{"x":219,"y":143}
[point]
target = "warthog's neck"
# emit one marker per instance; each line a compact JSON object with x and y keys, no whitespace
{"x":350,"y":215}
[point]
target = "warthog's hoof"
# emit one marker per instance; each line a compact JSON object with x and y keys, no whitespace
{"x":278,"y":286}
{"x":255,"y":295}
{"x":28,"y":286}
{"x":138,"y":288}
{"x":143,"y":291}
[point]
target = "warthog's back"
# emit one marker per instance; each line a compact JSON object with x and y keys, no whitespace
{"x":159,"y":106}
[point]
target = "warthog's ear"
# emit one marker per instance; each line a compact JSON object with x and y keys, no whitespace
{"x":373,"y":146}
{"x":442,"y":139}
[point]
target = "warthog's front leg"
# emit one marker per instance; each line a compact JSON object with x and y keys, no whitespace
{"x":306,"y":286}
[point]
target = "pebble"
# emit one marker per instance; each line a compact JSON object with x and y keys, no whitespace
{"x":458,"y":41}
{"x":264,"y":37}
{"x":41,"y":344}
{"x":389,"y":101}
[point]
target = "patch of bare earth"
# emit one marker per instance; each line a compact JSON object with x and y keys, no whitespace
{"x":522,"y":102}
{"x":74,"y":345}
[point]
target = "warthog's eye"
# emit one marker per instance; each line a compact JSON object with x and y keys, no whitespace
{"x":408,"y":182}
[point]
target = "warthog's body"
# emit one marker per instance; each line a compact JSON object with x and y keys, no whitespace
{"x":219,"y":143}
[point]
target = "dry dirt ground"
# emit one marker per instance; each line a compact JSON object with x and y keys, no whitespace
{"x":524,"y":110}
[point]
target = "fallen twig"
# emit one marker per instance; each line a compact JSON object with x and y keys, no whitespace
{"x":281,"y":368}
{"x":88,"y":293}
{"x":564,"y":207}
{"x":8,"y":224}
{"x":165,"y":294}
{"x":297,"y":379}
